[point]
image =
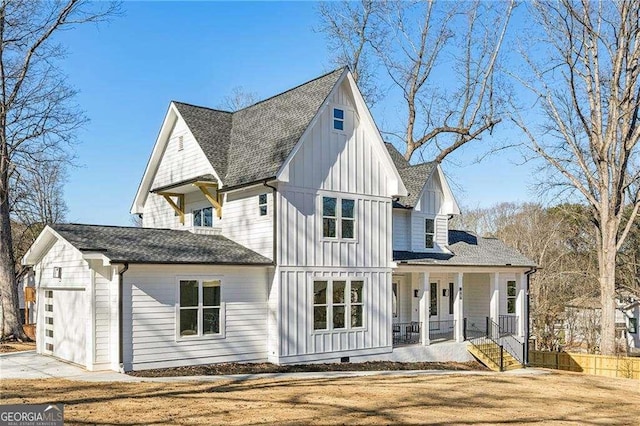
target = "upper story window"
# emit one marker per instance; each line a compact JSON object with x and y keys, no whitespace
{"x":511,"y":297}
{"x":199,"y":308}
{"x":338,"y":119}
{"x":338,"y":222}
{"x":429,"y":231}
{"x":262,"y":204}
{"x":203,"y":217}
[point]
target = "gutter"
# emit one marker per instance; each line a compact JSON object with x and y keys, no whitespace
{"x":120,"y":316}
{"x":248,"y":184}
{"x":275,"y":221}
{"x":527,"y":317}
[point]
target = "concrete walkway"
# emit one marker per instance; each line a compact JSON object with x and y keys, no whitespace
{"x":29,"y":365}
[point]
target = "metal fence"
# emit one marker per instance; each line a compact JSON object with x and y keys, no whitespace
{"x":406,"y":333}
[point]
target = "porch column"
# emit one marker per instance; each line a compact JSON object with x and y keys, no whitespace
{"x":494,"y":296}
{"x":425,"y":307}
{"x":458,"y":311}
{"x":521,"y":302}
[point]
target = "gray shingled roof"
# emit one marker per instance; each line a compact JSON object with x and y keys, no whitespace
{"x":252,"y":144}
{"x":212,"y":130}
{"x":467,"y":249}
{"x":149,"y":245}
{"x":414,"y":177}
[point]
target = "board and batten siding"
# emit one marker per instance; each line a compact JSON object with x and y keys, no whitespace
{"x":299,"y":342}
{"x":150,"y":325}
{"x":242,"y":223}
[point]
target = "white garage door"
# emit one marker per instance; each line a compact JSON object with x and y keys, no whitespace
{"x":67,"y":313}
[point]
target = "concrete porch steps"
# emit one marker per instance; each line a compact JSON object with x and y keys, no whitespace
{"x":489,"y":355}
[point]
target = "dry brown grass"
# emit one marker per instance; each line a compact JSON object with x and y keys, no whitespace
{"x":6,"y":347}
{"x":560,"y":398}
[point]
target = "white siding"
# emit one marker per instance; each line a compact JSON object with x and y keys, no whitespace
{"x":441,"y":238}
{"x":300,"y":343}
{"x":104,"y":292}
{"x":150,"y":323}
{"x":401,"y":230}
{"x":72,"y":302}
{"x":431,"y":199}
{"x":301,"y":241}
{"x":352,"y":161}
{"x":476,"y":297}
{"x":442,"y":231}
{"x":175,"y":166}
{"x":242,"y":223}
{"x":179,"y":165}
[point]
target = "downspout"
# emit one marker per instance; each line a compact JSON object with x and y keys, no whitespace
{"x":527,"y":317}
{"x":275,"y":221}
{"x":120,"y":316}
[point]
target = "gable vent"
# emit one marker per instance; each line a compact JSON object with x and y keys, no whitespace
{"x":180,"y":143}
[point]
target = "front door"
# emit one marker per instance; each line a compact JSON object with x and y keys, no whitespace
{"x":434,"y":301}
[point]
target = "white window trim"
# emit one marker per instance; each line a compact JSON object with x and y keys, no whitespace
{"x":193,"y":216}
{"x":514,"y":297}
{"x":223,"y":310}
{"x":266,"y":204}
{"x":424,"y":239}
{"x":329,"y":304}
{"x":344,"y":119}
{"x":338,"y":218}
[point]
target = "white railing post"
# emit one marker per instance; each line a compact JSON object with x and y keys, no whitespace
{"x":521,"y":303}
{"x":425,"y":308}
{"x":494,"y":294}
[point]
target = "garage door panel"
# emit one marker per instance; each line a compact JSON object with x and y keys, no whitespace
{"x":69,"y":325}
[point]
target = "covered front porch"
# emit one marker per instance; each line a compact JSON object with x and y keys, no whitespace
{"x":435,"y":306}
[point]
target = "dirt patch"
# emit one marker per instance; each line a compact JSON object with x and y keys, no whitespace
{"x":248,"y":368}
{"x":488,"y":398}
{"x":6,"y":347}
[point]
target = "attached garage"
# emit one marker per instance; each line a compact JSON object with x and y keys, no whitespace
{"x":65,"y":324}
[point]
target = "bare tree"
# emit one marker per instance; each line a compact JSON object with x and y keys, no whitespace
{"x":238,"y":98}
{"x":37,"y":114}
{"x":37,"y":200}
{"x":417,"y":43}
{"x":350,"y":28}
{"x":586,"y":83}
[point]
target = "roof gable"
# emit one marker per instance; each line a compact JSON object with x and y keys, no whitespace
{"x":211,"y":129}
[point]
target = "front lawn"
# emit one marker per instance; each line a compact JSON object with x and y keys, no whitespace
{"x":559,"y":397}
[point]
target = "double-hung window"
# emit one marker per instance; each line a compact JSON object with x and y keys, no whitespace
{"x":200,"y":308}
{"x":633,"y":325}
{"x":511,"y":297}
{"x":338,"y":304}
{"x":338,"y":119}
{"x":203,"y":217}
{"x":429,"y":231}
{"x":262,"y":204}
{"x":338,"y":222}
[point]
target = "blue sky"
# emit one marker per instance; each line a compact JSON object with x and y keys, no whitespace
{"x":129,"y":69}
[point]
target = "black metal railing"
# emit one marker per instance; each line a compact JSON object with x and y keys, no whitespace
{"x":495,"y":340}
{"x":406,"y":333}
{"x":508,"y":324}
{"x":441,"y":330}
{"x":474,"y":327}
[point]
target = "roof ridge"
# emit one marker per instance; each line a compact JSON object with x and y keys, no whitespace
{"x":292,"y":89}
{"x":112,"y":226}
{"x":203,"y":107}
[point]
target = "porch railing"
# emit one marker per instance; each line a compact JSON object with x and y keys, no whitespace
{"x":406,"y":333}
{"x":441,"y":330}
{"x":508,"y":324}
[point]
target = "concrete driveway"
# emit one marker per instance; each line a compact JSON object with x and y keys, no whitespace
{"x":29,"y":365}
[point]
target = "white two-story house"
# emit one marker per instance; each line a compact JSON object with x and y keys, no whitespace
{"x":287,"y":232}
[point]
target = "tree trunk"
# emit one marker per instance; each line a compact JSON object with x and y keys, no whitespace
{"x":11,"y":324}
{"x":607,"y":277}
